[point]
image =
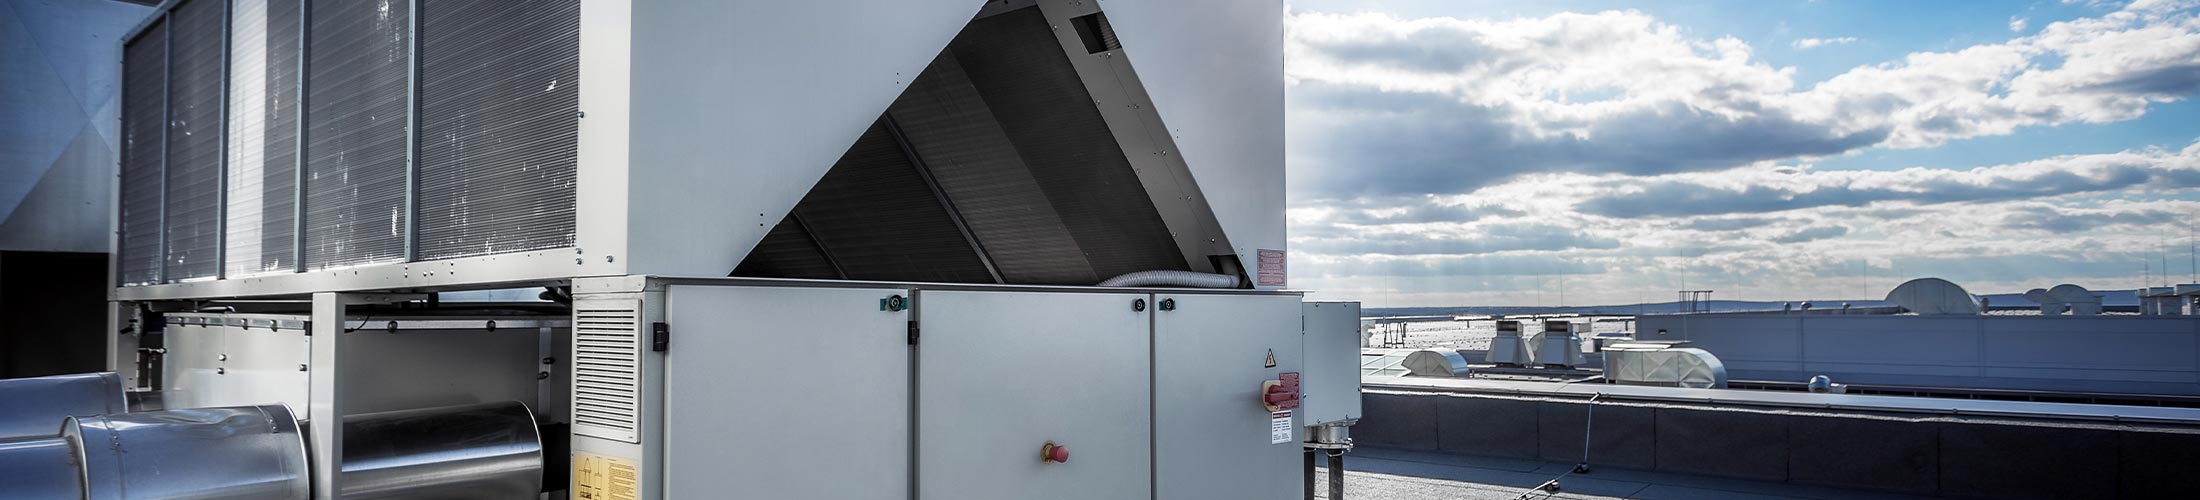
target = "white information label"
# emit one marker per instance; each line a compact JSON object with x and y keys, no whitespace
{"x":1279,"y":427}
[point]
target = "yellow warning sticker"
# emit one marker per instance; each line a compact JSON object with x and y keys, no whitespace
{"x":598,"y":477}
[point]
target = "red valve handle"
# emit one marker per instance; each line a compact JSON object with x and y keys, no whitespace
{"x":1053,"y":453}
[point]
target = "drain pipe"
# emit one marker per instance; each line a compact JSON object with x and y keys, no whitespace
{"x":1167,"y":278}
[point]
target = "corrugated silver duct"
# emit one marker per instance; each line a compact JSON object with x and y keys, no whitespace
{"x":35,"y":406}
{"x":356,"y":133}
{"x":144,"y":95}
{"x":480,"y":451}
{"x":194,"y":177}
{"x":246,"y":452}
{"x":1663,"y":365}
{"x":1183,"y":279}
{"x":499,"y":125}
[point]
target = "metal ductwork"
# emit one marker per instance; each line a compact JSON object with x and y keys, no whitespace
{"x":1436,"y":363}
{"x":1180,"y":279}
{"x":259,"y":452}
{"x":35,"y":406}
{"x":1663,"y":365}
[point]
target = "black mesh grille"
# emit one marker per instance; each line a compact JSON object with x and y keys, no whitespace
{"x":1014,"y":62}
{"x":1005,"y":127}
{"x":279,"y":215}
{"x":499,"y":125}
{"x":788,"y":252}
{"x":355,"y":159}
{"x":949,"y":125}
{"x":873,"y":212}
{"x":195,"y":141}
{"x":143,"y":71}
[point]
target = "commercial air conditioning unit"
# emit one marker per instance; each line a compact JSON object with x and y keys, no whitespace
{"x":828,"y":249}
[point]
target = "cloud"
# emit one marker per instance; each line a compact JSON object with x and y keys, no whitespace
{"x":2017,"y":24}
{"x":1815,"y":233}
{"x":1775,"y":190}
{"x":2062,"y":220}
{"x":1384,"y":105}
{"x":1809,"y":43}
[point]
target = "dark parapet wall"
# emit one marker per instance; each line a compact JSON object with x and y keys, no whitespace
{"x":1961,"y":456}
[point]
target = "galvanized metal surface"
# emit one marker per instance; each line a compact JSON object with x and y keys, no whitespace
{"x":777,"y":393}
{"x":1435,"y":363}
{"x":484,"y":451}
{"x":1330,"y":387}
{"x":1212,"y":436}
{"x":1664,"y":366}
{"x":42,"y":467}
{"x":1000,"y":374}
{"x":205,"y":453}
{"x":35,"y":406}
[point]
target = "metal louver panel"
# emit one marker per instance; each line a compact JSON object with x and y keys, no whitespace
{"x":499,"y":126}
{"x":262,"y":151}
{"x":355,"y":182}
{"x":607,"y":372}
{"x":279,"y":194}
{"x":144,"y":73}
{"x":788,"y":251}
{"x":193,"y":222}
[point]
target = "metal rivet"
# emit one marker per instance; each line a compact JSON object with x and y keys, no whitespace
{"x":301,"y":367}
{"x":542,"y":375}
{"x":549,"y":360}
{"x":221,"y":371}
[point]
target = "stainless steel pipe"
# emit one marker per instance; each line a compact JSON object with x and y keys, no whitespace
{"x":245,"y":452}
{"x":479,"y":451}
{"x":35,"y":406}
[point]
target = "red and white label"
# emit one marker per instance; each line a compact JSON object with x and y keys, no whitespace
{"x":1271,"y":270}
{"x":1279,"y":427}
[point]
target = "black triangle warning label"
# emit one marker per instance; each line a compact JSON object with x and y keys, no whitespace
{"x":1271,"y":358}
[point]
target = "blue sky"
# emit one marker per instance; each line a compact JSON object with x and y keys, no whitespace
{"x":1447,"y":152}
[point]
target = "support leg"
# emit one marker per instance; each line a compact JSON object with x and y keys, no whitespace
{"x":1336,"y":474}
{"x":325,"y":407}
{"x":1309,"y":473}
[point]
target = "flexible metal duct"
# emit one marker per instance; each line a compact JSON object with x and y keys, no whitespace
{"x":1436,"y":363}
{"x":35,"y":406}
{"x":480,"y":451}
{"x":1166,"y":278}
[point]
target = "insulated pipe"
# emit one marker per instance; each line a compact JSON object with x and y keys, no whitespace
{"x":34,"y":407}
{"x":1180,"y":279}
{"x":490,"y":450}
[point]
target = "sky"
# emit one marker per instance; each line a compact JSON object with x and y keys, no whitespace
{"x":1453,"y":152}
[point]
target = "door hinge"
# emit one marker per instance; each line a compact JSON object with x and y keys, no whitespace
{"x":913,"y":332}
{"x":660,"y":336}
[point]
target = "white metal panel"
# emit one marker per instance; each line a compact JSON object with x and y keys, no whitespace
{"x":188,"y":378}
{"x":1002,"y":373}
{"x":264,"y":366}
{"x":1214,"y":71}
{"x":786,"y":393}
{"x":1330,"y":387}
{"x":737,"y":108}
{"x":1211,"y":430}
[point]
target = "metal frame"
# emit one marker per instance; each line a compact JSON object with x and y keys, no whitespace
{"x":221,"y":148}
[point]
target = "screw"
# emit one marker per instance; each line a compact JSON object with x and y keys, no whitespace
{"x":301,"y":367}
{"x":221,"y":371}
{"x":542,"y":375}
{"x":221,"y":357}
{"x":549,"y":360}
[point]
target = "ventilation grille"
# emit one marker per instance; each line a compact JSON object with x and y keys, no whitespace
{"x":144,"y":70}
{"x":607,"y":372}
{"x":355,"y":166}
{"x":499,"y":126}
{"x":194,"y":141}
{"x":1098,"y":35}
{"x":263,"y":132}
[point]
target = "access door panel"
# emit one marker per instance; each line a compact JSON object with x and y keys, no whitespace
{"x":786,"y":392}
{"x":1214,"y":436}
{"x":1001,"y":374}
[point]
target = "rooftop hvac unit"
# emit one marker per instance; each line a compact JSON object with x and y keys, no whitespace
{"x":1559,"y":346}
{"x":1662,"y":364}
{"x":1508,"y":348}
